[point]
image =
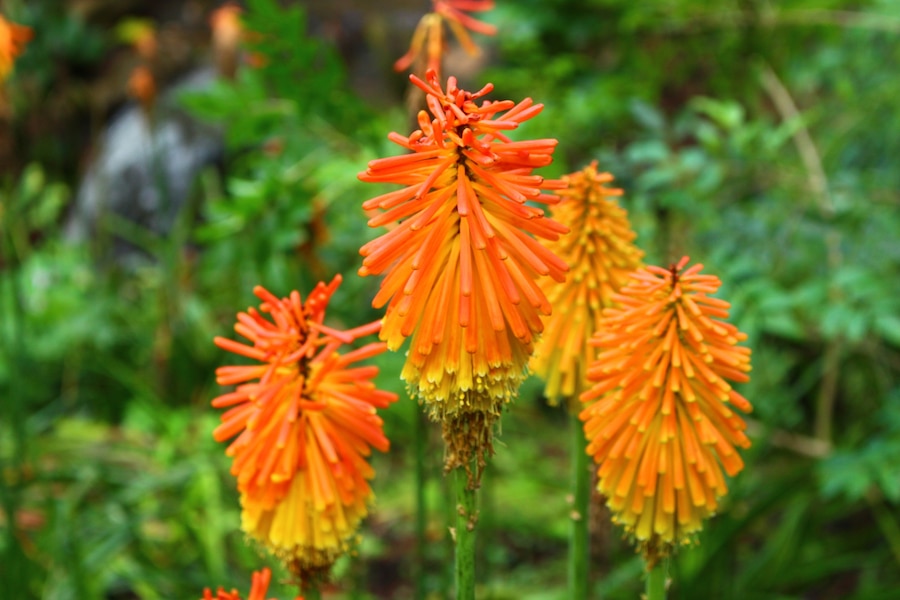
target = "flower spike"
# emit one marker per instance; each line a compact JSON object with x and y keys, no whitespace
{"x":259,"y":587}
{"x":461,"y":263}
{"x":305,"y":422}
{"x":13,"y":38}
{"x":659,"y":417}
{"x":428,"y":38}
{"x":601,"y":254}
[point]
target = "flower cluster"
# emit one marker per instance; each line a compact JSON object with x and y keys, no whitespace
{"x":13,"y":38}
{"x":659,"y":418}
{"x":462,"y":263}
{"x":305,"y":421}
{"x":227,"y":35}
{"x":429,"y":33}
{"x":259,"y":587}
{"x":601,"y":254}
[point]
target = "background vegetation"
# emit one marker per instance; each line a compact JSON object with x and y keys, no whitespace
{"x":758,"y":137}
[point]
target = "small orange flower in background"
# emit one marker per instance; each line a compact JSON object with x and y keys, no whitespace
{"x":226,"y":25}
{"x":429,"y":33}
{"x":460,"y":267}
{"x":228,"y":33}
{"x":13,"y":38}
{"x":601,"y":255}
{"x":140,"y":34}
{"x":659,"y":419}
{"x":305,"y":422}
{"x":258,"y":589}
{"x":142,"y":87}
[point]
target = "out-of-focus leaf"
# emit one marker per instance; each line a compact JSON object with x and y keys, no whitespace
{"x":888,"y":326}
{"x":650,"y":151}
{"x":647,"y":116}
{"x":727,"y":114}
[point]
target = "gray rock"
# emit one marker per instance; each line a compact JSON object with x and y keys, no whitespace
{"x":142,"y":172}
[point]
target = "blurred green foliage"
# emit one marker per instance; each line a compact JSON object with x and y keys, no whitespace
{"x":757,"y":137}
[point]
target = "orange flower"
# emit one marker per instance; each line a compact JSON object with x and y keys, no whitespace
{"x":601,"y":254}
{"x":461,"y":264}
{"x":227,"y":35}
{"x":430,"y":31}
{"x":142,"y":87}
{"x":658,"y":418}
{"x":305,"y":421}
{"x":13,"y":38}
{"x":258,"y":589}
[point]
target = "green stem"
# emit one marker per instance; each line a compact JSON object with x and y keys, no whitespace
{"x":17,"y":352}
{"x":446,"y":504}
{"x":12,"y":482}
{"x":420,"y":435}
{"x":656,"y":581}
{"x":466,"y":517}
{"x":312,"y":592}
{"x":831,"y":362}
{"x":579,"y":537}
{"x":888,"y":525}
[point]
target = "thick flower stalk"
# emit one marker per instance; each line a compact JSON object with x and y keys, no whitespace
{"x":428,"y":38}
{"x":601,"y":253}
{"x":305,"y":422}
{"x":660,"y":418}
{"x":462,"y":263}
{"x":13,"y":38}
{"x":258,"y":588}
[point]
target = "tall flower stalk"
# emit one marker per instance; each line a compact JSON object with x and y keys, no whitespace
{"x":426,"y":52}
{"x":305,"y":420}
{"x":659,"y":415}
{"x":600,"y":252}
{"x":460,"y":265}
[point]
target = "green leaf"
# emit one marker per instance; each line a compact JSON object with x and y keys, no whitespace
{"x":888,"y":326}
{"x":650,"y":151}
{"x":648,"y":116}
{"x":728,"y":114}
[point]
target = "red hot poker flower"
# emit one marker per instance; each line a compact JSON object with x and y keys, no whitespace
{"x":460,"y":267}
{"x":13,"y":38}
{"x":659,"y":419}
{"x":429,"y":33}
{"x":227,"y":35}
{"x":305,"y":422}
{"x":259,"y":587}
{"x":142,"y":87}
{"x":601,"y":254}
